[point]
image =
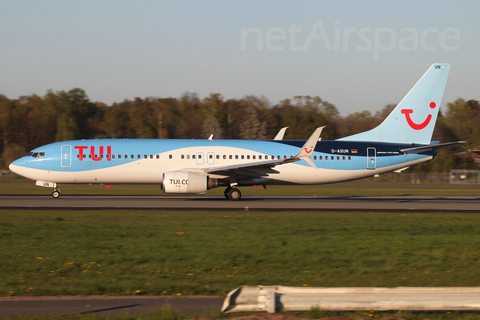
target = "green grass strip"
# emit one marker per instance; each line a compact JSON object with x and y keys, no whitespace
{"x":180,"y":253}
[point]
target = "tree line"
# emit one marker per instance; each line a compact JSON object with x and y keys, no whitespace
{"x":31,"y":121}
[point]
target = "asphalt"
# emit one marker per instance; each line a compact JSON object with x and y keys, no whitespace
{"x":105,"y":305}
{"x":212,"y":203}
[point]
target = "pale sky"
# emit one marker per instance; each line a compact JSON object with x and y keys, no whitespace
{"x":358,"y":55}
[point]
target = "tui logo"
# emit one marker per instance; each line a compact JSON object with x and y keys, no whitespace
{"x":414,"y":125}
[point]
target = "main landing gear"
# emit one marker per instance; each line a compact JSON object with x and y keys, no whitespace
{"x":232,"y":194}
{"x":56,"y":193}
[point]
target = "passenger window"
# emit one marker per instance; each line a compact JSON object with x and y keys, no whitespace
{"x":210,"y":156}
{"x":321,"y":157}
{"x":78,"y":156}
{"x":138,"y":156}
{"x":248,"y":157}
{"x":243,"y":157}
{"x":151,"y":156}
{"x":199,"y":156}
{"x":338,"y":157}
{"x":107,"y":156}
{"x":230,"y":157}
{"x":326,"y":157}
{"x":224,"y":156}
{"x":193,"y":156}
{"x":236,"y":156}
{"x":343,"y":157}
{"x":170,"y":156}
{"x":188,"y":156}
{"x":182,"y":157}
{"x":349,"y":157}
{"x":253,"y":157}
{"x":314,"y":157}
{"x":158,"y":156}
{"x":145,"y":156}
{"x":218,"y":157}
{"x":278,"y":157}
{"x":284,"y":157}
{"x":260,"y":157}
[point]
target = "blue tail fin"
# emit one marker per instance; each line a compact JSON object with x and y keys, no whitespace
{"x":413,"y":120}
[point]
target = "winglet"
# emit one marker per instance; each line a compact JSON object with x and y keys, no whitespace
{"x":306,"y":152}
{"x":280,"y":134}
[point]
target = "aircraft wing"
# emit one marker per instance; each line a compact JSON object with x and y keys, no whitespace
{"x":255,"y":169}
{"x":263,"y":168}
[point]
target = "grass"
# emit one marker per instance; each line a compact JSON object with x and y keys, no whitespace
{"x":198,"y":253}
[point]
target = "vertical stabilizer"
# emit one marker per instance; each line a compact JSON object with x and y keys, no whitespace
{"x":413,"y":120}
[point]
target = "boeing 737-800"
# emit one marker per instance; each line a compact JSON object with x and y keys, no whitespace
{"x":195,"y":166}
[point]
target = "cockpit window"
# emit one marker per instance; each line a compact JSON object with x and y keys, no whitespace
{"x":36,"y":154}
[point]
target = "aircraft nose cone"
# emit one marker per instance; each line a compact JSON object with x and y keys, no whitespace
{"x":16,"y":167}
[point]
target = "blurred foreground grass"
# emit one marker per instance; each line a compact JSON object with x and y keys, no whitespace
{"x":179,"y":253}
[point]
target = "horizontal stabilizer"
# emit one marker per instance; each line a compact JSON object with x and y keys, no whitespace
{"x":430,"y":147}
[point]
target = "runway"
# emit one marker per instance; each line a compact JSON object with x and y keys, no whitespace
{"x":213,"y":203}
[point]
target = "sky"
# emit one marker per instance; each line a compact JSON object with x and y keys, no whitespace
{"x":357,"y":55}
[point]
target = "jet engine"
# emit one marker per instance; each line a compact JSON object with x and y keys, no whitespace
{"x":189,"y":182}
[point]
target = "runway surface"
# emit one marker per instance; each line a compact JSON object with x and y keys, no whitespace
{"x":105,"y":305}
{"x":211,"y":203}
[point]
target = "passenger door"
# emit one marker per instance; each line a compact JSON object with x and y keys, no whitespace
{"x":371,"y":158}
{"x":66,"y":157}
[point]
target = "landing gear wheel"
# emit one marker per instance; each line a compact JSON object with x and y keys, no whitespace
{"x":234,"y":194}
{"x":56,"y":194}
{"x":225,"y":193}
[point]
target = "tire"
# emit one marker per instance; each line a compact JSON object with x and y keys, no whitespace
{"x":56,"y":194}
{"x":234,"y":194}
{"x":225,"y":193}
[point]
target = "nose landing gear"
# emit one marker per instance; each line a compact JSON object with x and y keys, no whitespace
{"x":56,"y":193}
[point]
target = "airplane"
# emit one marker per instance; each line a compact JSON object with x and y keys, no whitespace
{"x":181,"y":166}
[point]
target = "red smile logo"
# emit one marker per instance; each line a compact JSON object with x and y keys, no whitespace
{"x":307,"y":150}
{"x":412,"y":124}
